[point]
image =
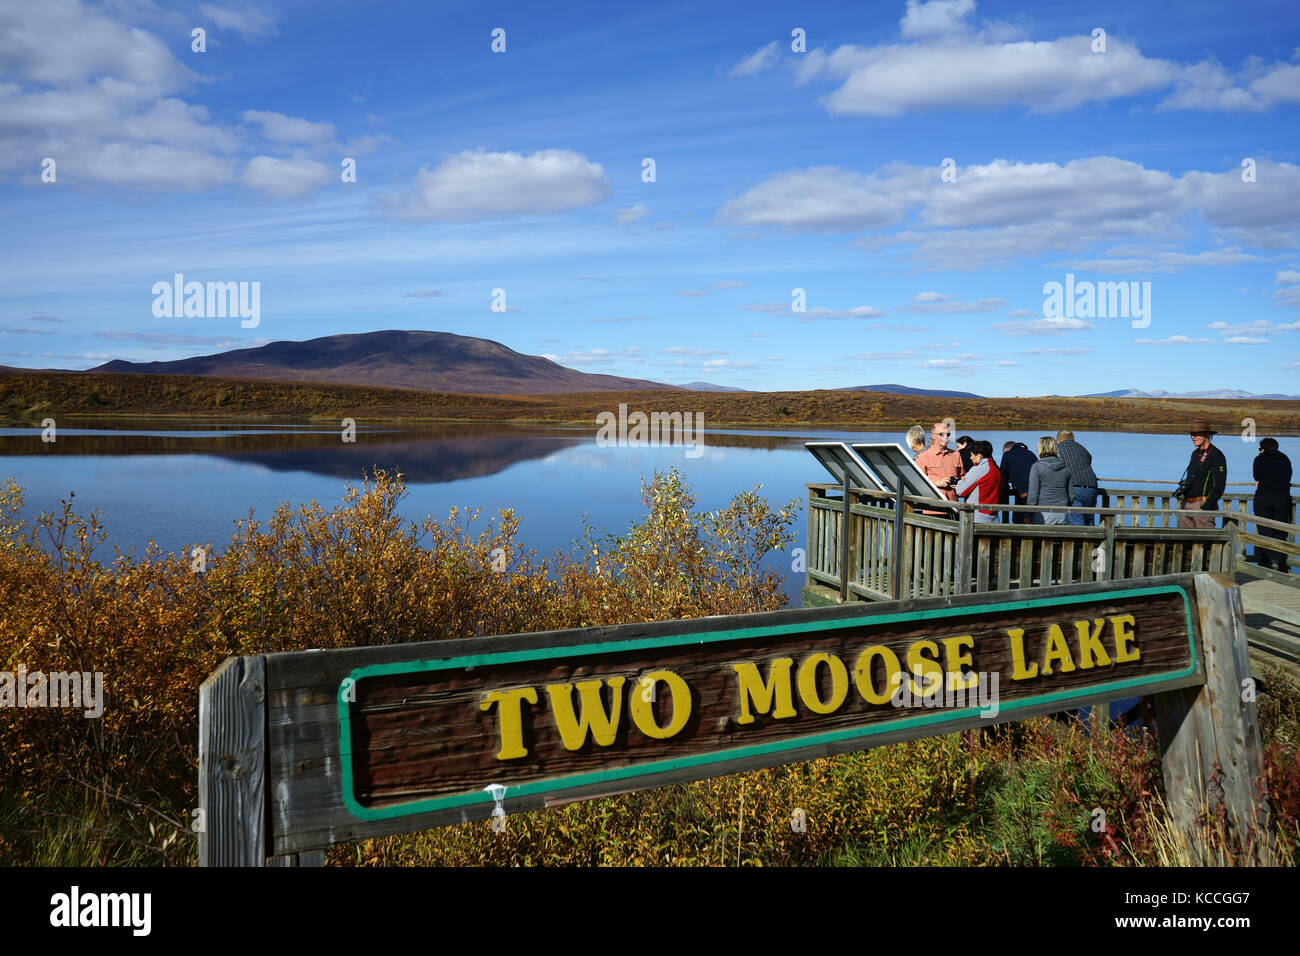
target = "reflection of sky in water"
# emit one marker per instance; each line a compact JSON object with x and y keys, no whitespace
{"x":181,"y":499}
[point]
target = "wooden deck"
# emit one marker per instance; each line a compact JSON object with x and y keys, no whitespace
{"x":894,"y":552}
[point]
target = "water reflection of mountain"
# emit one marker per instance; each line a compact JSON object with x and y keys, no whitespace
{"x":429,"y":454}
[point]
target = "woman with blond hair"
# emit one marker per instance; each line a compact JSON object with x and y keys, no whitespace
{"x":1050,"y":483}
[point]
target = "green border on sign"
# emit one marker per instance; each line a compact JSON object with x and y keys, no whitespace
{"x":468,"y":798}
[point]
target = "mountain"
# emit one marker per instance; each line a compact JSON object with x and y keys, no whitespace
{"x":1208,"y":393}
{"x":908,"y":390}
{"x":710,"y":387}
{"x":430,"y":361}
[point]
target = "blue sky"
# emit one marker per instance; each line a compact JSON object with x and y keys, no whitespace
{"x":775,"y":170}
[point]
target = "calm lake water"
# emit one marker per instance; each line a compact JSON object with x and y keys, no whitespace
{"x":181,"y":486}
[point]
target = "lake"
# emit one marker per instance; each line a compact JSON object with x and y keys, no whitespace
{"x":182,"y":485}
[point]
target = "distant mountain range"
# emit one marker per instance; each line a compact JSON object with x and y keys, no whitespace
{"x":1208,"y":393}
{"x":431,"y":361}
{"x":908,"y":390}
{"x":710,"y":387}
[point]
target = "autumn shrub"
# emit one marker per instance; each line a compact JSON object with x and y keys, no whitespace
{"x":121,"y":788}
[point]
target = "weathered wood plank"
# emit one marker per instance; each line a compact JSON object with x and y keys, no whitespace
{"x":1209,"y":736}
{"x":232,"y":764}
{"x":965,"y":551}
{"x":1026,"y":562}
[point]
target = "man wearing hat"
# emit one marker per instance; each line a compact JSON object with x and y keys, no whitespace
{"x":1205,"y":478}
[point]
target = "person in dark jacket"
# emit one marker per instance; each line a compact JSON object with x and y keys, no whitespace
{"x":1017,"y":459}
{"x":1049,"y":483}
{"x":1272,"y":500}
{"x":965,"y":444}
{"x":1084,"y":479}
{"x":1205,"y":478}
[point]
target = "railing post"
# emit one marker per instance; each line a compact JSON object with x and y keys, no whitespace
{"x":965,"y":557}
{"x":1108,"y":522}
{"x":1230,"y":550}
{"x":896,"y":547}
{"x":844,"y":539}
{"x":1210,"y":743}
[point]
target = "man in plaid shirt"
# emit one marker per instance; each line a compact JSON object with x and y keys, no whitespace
{"x":1084,"y":481}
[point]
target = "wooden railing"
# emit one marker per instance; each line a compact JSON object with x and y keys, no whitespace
{"x":1126,"y":500}
{"x":934,"y":555}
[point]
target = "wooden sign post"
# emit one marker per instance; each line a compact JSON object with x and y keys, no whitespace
{"x":302,"y":750}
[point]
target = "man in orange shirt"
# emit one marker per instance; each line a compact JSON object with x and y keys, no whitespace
{"x":941,"y":464}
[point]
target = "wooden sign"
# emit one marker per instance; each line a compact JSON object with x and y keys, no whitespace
{"x":621,"y":712}
{"x":342,"y":744}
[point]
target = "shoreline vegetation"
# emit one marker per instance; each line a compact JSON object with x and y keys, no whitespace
{"x":26,"y":398}
{"x":120,"y":789}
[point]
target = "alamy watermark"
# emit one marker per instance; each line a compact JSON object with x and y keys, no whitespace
{"x":639,"y":430}
{"x":1098,"y":300}
{"x":922,"y":689}
{"x":82,"y":690}
{"x":213,"y":300}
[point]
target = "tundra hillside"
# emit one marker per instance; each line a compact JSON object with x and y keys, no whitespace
{"x":28,"y":397}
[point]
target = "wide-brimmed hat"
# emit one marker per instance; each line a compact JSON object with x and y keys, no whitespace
{"x":1200,"y":426}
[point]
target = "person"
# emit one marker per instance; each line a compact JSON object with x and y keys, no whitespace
{"x":983,"y":483}
{"x":1049,"y":483}
{"x":1205,"y":478}
{"x":1083,"y":478}
{"x":916,"y":439}
{"x":1017,"y":459}
{"x":940,"y":464}
{"x":964,"y":444}
{"x":1272,"y":471}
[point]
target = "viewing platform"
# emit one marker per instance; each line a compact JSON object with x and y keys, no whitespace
{"x":894,"y":552}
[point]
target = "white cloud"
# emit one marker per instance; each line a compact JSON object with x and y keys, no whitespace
{"x":758,"y":61}
{"x":1255,"y":328}
{"x":948,"y":65}
{"x":285,"y":178}
{"x":691,"y":293}
{"x":937,"y":18}
{"x":596,"y":356}
{"x":1043,"y":326}
{"x":983,"y":72}
{"x":810,"y":315}
{"x":630,"y":214}
{"x":478,"y":185}
{"x":822,"y":199}
{"x":1173,"y":340}
{"x":737,"y":284}
{"x":937,"y":302}
{"x":1068,"y":351}
{"x":423,"y":294}
{"x":280,"y":128}
{"x":1209,"y":86}
{"x":884,"y":356}
{"x":249,"y":21}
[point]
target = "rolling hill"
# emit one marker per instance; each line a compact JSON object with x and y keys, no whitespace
{"x":430,"y":361}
